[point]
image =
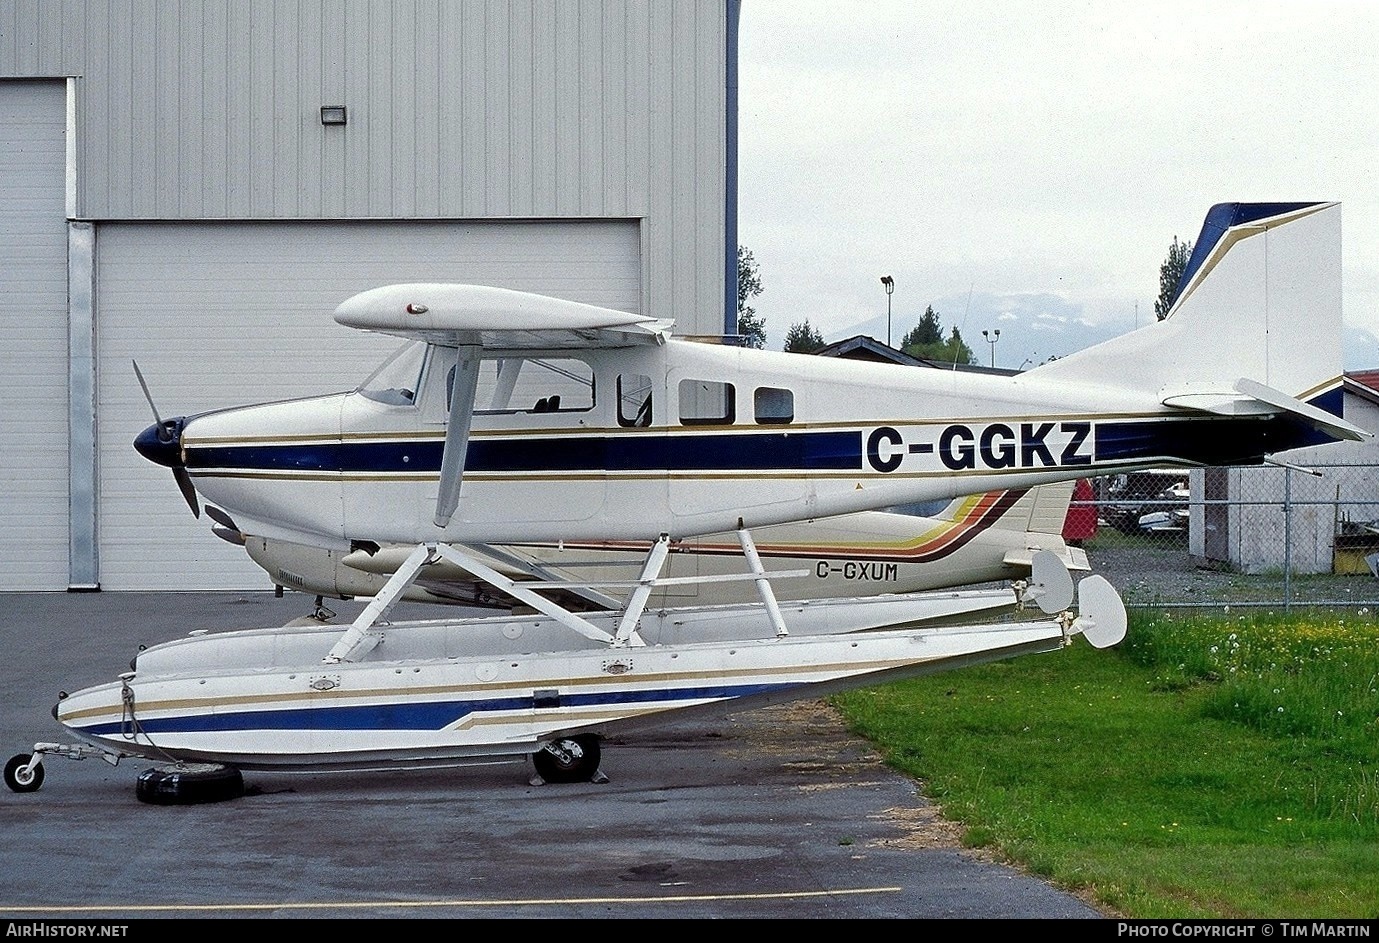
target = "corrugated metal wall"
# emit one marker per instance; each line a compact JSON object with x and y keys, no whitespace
{"x":462,"y":110}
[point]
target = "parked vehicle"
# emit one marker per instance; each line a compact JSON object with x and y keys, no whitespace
{"x":1170,"y":515}
{"x":1145,"y":501}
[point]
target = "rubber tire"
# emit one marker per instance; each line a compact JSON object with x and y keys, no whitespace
{"x":12,"y":774}
{"x":189,"y":784}
{"x":580,"y":769}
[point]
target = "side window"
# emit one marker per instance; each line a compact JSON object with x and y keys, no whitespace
{"x":535,"y":385}
{"x":634,"y":400}
{"x":773,"y":406}
{"x":706,"y":402}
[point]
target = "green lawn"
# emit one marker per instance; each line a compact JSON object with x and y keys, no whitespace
{"x":1206,"y":767}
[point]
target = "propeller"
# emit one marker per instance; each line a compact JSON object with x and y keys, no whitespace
{"x":161,"y":443}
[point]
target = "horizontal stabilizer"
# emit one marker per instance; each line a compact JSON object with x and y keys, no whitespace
{"x":1218,"y":402}
{"x":1319,"y":418}
{"x":1074,"y":558}
{"x":1252,"y":398}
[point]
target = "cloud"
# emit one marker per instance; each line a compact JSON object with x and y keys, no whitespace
{"x":1048,"y":150}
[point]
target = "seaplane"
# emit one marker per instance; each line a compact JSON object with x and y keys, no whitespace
{"x":637,"y":435}
{"x":989,"y":538}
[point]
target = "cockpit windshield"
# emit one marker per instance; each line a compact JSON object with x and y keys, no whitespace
{"x":395,"y":381}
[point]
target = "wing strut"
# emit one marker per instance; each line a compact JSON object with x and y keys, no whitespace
{"x":636,"y":601}
{"x":358,"y":640}
{"x":543,"y":574}
{"x":457,"y":433}
{"x":768,"y":595}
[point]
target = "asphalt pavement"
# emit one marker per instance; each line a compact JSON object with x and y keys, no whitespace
{"x":773,"y":813}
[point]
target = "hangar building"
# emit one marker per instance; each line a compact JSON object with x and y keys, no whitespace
{"x":195,"y":186}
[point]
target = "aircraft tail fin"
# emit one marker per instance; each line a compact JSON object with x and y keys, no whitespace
{"x":1258,"y":308}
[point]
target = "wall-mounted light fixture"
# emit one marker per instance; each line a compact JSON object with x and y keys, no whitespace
{"x":332,"y":114}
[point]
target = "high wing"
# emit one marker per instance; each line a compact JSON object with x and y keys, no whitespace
{"x":495,"y":319}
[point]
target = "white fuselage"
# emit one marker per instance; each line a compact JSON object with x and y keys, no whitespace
{"x":731,"y":437}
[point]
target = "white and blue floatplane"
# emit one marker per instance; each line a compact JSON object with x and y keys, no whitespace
{"x":511,"y":418}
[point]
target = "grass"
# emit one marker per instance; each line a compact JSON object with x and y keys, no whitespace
{"x":1209,"y":766}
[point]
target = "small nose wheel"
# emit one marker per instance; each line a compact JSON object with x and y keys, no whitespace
{"x":23,"y":773}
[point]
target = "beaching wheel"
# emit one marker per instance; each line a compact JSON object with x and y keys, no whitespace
{"x":188,"y":783}
{"x":568,"y":760}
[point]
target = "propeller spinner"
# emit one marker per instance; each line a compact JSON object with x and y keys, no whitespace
{"x":161,"y":443}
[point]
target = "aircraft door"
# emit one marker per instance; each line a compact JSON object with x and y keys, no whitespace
{"x":538,"y":420}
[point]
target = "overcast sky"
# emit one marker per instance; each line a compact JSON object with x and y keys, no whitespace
{"x":1026,"y":165}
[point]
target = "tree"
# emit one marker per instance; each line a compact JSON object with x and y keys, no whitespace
{"x":751,"y":327}
{"x":926,"y":341}
{"x":803,"y":339}
{"x":955,"y":350}
{"x":927,"y":331}
{"x":1170,"y":274}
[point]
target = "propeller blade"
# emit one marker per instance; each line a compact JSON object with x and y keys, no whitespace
{"x":184,"y":484}
{"x":227,"y":534}
{"x":220,"y":517}
{"x":157,"y":420}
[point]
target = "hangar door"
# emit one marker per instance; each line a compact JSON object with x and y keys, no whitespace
{"x":33,"y":356}
{"x":221,"y":314}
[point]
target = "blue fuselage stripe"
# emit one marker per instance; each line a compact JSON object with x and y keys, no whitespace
{"x":818,"y":451}
{"x":1191,"y":439}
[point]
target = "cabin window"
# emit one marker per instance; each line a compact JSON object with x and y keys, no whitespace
{"x":773,"y":406}
{"x":706,"y":402}
{"x":634,"y":400}
{"x":396,"y":380}
{"x":534,"y":385}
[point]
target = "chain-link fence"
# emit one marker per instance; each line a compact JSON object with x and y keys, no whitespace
{"x":1265,"y":537}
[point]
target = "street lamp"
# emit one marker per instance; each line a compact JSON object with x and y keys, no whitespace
{"x":991,"y":338}
{"x":889,"y":284}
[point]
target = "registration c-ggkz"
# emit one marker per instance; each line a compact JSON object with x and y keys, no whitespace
{"x":997,"y":445}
